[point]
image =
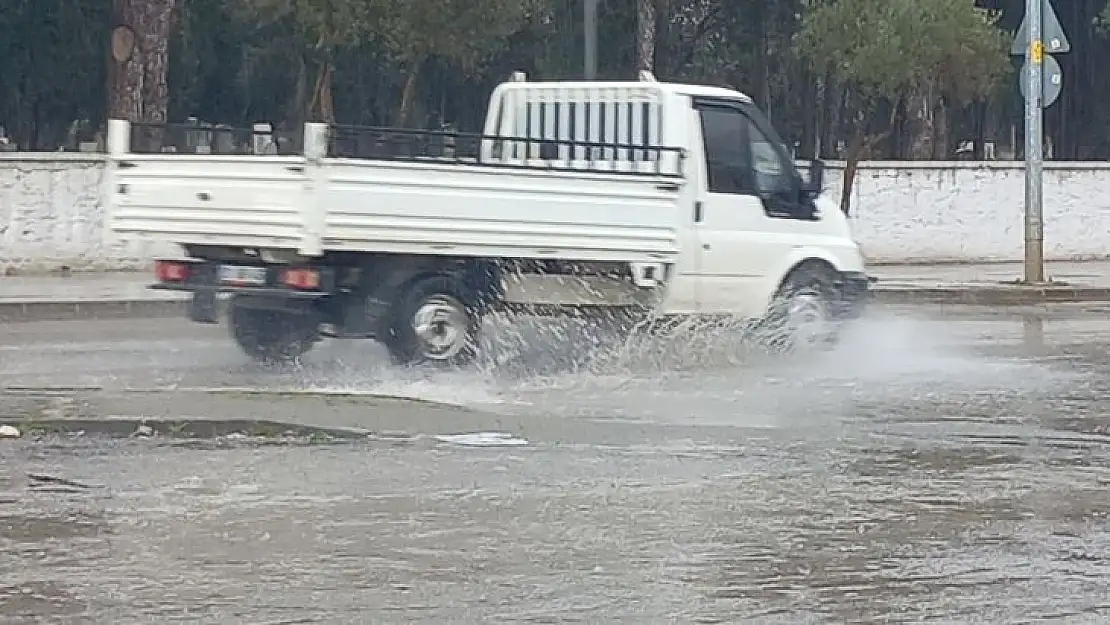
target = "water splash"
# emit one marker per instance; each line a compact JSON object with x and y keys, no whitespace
{"x":543,"y":360}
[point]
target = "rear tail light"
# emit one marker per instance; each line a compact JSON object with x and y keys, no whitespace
{"x":170,"y":271}
{"x":305,"y":279}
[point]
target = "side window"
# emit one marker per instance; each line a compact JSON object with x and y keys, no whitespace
{"x":771,"y":174}
{"x":727,"y":157}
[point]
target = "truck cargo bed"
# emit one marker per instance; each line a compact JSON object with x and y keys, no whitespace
{"x":406,"y":200}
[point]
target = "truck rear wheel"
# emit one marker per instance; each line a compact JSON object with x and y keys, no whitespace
{"x":272,"y":336}
{"x":433,"y":323}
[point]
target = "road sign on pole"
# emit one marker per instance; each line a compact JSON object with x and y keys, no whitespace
{"x":1034,"y":156}
{"x":1052,"y":80}
{"x":1041,"y":82}
{"x":1052,"y":34}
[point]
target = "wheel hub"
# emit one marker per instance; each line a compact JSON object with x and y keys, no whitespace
{"x":440,"y":324}
{"x":807,"y":319}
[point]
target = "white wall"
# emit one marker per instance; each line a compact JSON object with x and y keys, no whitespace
{"x":51,"y":217}
{"x":50,"y":214}
{"x":964,"y":211}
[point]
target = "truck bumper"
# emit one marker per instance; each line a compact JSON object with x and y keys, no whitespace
{"x":202,"y":280}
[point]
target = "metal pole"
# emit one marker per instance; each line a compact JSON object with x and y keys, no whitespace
{"x":590,"y":27}
{"x":1034,"y":158}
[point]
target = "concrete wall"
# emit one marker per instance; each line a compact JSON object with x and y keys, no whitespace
{"x":51,"y":217}
{"x":50,"y":214}
{"x":943,"y":211}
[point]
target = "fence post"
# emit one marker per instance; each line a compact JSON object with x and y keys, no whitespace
{"x":119,"y":137}
{"x":314,"y":208}
{"x":262,"y":140}
{"x":112,"y":193}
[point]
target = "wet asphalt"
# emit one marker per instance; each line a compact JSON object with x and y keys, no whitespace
{"x":941,"y":466}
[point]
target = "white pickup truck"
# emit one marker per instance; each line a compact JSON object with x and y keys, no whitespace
{"x":641,"y":197}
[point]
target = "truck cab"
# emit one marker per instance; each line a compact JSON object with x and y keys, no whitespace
{"x":746,"y":214}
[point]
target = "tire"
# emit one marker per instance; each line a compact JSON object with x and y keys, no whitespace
{"x":272,"y":336}
{"x":801,"y":316}
{"x":434,"y":321}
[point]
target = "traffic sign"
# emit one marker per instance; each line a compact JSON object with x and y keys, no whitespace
{"x":1051,"y":76}
{"x":1052,"y":34}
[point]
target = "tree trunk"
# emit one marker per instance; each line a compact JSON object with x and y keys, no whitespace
{"x":979,"y":150}
{"x":327,"y":105}
{"x":322,"y":108}
{"x":155,"y":39}
{"x":297,"y":110}
{"x":125,"y":77}
{"x":811,"y":97}
{"x":851,"y":164}
{"x":827,"y":100}
{"x":763,"y":61}
{"x":862,"y":146}
{"x":137,"y":87}
{"x":408,"y":94}
{"x":942,"y":149}
{"x":645,"y":35}
{"x":663,"y":11}
{"x":836,"y":128}
{"x":921,"y":119}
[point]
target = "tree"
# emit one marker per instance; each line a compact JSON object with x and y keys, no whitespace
{"x":463,"y":33}
{"x":51,"y":70}
{"x":645,"y":34}
{"x":916,"y":56}
{"x":137,"y":75}
{"x":241,"y":61}
{"x":321,"y":28}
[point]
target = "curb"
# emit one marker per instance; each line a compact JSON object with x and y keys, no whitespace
{"x":24,"y":310}
{"x":182,"y":429}
{"x":991,"y":295}
{"x":66,"y":310}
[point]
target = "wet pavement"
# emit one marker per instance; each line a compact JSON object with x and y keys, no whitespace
{"x":940,"y":466}
{"x":83,"y":287}
{"x":1090,"y":274}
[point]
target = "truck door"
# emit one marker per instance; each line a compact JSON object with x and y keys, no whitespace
{"x":741,"y":175}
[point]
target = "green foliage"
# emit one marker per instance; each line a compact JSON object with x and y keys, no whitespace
{"x":51,"y":67}
{"x":322,"y":24}
{"x":465,"y":32}
{"x":887,"y":48}
{"x":242,"y":61}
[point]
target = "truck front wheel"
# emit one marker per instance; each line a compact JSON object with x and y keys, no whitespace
{"x":272,"y":336}
{"x":800,"y":318}
{"x":432,"y":322}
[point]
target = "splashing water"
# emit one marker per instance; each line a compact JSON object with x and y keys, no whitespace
{"x":575,"y":367}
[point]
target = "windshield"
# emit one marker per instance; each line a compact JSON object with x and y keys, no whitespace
{"x":769,"y":154}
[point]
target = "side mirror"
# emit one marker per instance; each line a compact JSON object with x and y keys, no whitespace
{"x":814,"y":183}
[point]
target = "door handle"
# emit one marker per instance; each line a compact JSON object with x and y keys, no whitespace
{"x":697,"y":211}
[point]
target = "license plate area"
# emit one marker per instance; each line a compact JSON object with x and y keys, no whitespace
{"x":240,"y":275}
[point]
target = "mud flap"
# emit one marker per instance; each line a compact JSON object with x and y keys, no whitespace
{"x":202,"y":307}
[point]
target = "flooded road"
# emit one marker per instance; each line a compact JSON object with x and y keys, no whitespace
{"x":932,"y":469}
